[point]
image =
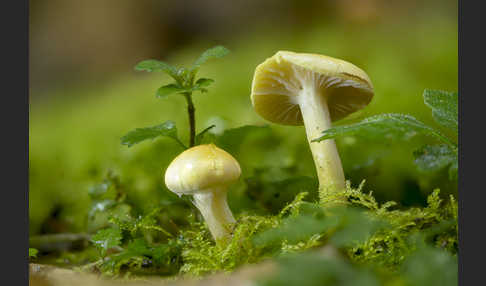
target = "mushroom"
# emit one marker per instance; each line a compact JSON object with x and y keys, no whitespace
{"x":205,"y":172}
{"x":314,"y":90}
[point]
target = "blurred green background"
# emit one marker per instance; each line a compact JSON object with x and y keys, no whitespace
{"x":85,"y":95}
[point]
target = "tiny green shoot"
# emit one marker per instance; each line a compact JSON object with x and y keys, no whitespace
{"x":185,"y":84}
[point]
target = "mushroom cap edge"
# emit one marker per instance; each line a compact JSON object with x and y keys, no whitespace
{"x":353,"y":92}
{"x":201,"y":168}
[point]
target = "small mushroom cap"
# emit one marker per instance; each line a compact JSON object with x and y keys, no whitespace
{"x":280,"y":79}
{"x":201,"y":168}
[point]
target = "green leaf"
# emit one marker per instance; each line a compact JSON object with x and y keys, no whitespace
{"x":444,"y":107}
{"x":434,"y":157}
{"x":185,"y":76}
{"x":156,"y":66}
{"x":107,"y":238}
{"x":33,"y":252}
{"x":213,"y":53}
{"x":204,"y":82}
{"x":167,"y":129}
{"x":200,"y":135}
{"x":384,"y":126}
{"x":169,"y":89}
{"x":201,"y":84}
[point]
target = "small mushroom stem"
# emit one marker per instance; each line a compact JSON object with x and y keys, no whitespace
{"x":315,"y":113}
{"x":214,"y":208}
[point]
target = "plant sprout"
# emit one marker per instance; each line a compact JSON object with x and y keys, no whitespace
{"x":185,"y":84}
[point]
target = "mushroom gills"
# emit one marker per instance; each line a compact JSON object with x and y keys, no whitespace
{"x":281,"y":87}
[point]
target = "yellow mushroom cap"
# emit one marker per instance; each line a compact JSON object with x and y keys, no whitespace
{"x":278,"y":81}
{"x":201,"y":168}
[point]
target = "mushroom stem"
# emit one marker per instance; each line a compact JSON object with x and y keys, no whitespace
{"x":214,"y":208}
{"x":315,"y":113}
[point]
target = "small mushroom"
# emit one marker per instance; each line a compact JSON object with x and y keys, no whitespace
{"x":205,"y":172}
{"x":314,"y":90}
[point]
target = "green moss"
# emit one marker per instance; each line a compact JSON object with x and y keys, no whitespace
{"x":365,"y":236}
{"x":201,"y":255}
{"x":388,"y":247}
{"x":393,"y":241}
{"x":386,"y":241}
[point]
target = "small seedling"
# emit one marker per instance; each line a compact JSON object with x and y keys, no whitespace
{"x":185,"y":84}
